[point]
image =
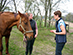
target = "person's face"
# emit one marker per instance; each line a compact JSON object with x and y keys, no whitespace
{"x":56,"y":17}
{"x":31,"y":16}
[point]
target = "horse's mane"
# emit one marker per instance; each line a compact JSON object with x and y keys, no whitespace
{"x":8,"y":12}
{"x":4,"y":13}
{"x":1,"y":13}
{"x":15,"y":14}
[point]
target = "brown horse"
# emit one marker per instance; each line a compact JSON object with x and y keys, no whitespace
{"x":10,"y":19}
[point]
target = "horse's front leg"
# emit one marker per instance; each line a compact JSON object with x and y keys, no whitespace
{"x":7,"y":43}
{"x":1,"y":47}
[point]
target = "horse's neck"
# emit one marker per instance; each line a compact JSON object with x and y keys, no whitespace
{"x":15,"y":21}
{"x":9,"y":19}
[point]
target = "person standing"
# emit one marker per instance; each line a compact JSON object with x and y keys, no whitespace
{"x":29,"y":43}
{"x":60,"y":33}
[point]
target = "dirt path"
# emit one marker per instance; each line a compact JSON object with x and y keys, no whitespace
{"x":71,"y":30}
{"x":70,"y":24}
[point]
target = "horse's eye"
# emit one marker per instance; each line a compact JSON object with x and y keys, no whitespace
{"x":25,"y":28}
{"x":26,"y":23}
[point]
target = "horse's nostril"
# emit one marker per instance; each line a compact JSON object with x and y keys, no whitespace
{"x":31,"y":37}
{"x":25,"y":36}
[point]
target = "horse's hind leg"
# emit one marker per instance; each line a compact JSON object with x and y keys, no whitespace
{"x":7,"y":44}
{"x":1,"y":47}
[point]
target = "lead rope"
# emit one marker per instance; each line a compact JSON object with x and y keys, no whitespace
{"x":24,"y":42}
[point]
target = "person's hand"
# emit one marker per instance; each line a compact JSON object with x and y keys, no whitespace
{"x":53,"y":31}
{"x":24,"y":39}
{"x":35,"y":36}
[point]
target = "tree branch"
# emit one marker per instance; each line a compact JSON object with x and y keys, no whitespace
{"x":8,"y":2}
{"x":56,"y":2}
{"x":4,"y":3}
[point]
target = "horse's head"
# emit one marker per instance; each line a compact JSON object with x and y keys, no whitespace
{"x":24,"y":25}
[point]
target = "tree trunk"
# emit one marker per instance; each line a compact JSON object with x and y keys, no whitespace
{"x":49,"y":12}
{"x":46,"y":10}
{"x":41,"y":21}
{"x":49,"y":17}
{"x":15,"y":6}
{"x":45,"y":19}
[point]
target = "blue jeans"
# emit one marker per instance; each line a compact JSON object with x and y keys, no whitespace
{"x":59,"y":47}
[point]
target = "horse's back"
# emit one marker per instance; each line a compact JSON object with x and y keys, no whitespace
{"x":6,"y":13}
{"x":6,"y":18}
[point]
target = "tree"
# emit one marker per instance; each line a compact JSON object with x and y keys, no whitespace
{"x":28,"y":4}
{"x":50,"y":9}
{"x":69,"y":17}
{"x":15,"y":6}
{"x":46,"y":7}
{"x":51,"y":5}
{"x":3,"y":5}
{"x":39,"y":12}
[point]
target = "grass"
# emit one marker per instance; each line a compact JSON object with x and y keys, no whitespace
{"x":71,"y":27}
{"x":44,"y":43}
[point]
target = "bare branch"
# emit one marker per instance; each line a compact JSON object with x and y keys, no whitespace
{"x":42,"y":1}
{"x":4,"y":3}
{"x":56,"y":2}
{"x":8,"y":2}
{"x":1,"y":2}
{"x":15,"y":5}
{"x":19,"y":2}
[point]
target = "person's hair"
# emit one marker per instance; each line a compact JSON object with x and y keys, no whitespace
{"x":57,"y":13}
{"x":28,"y":14}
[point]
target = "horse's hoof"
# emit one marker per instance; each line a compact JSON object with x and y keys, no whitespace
{"x":8,"y":54}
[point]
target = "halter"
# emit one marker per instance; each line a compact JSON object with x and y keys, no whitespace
{"x":20,"y":25}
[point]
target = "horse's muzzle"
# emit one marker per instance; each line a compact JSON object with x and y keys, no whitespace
{"x":29,"y":38}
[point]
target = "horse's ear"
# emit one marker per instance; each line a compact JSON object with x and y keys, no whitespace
{"x":20,"y":14}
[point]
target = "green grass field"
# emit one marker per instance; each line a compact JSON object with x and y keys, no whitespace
{"x":44,"y":43}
